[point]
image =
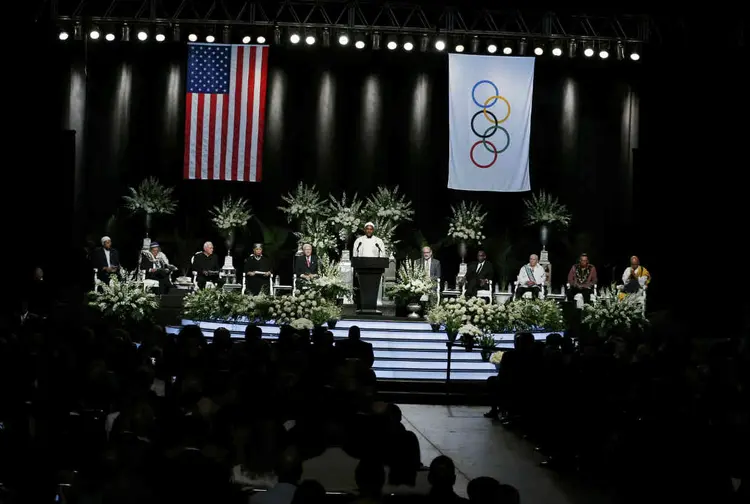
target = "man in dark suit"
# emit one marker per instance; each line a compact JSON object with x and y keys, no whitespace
{"x":430,"y":264}
{"x":306,"y":265}
{"x":206,"y":265}
{"x":479,"y":274}
{"x":355,"y":348}
{"x":105,"y":260}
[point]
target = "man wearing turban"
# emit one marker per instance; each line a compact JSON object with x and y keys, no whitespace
{"x":369,"y":245}
{"x":106,"y":260}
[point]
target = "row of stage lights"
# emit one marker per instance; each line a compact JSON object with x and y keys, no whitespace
{"x":393,"y":42}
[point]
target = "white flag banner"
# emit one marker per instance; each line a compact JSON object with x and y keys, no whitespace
{"x":490,"y":122}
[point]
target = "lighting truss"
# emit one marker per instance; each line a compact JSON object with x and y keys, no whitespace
{"x":357,"y":15}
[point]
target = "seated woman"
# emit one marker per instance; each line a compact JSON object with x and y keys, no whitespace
{"x":635,"y":278}
{"x":157,"y":267}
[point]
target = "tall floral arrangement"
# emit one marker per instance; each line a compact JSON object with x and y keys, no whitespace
{"x":124,"y":300}
{"x":467,"y":223}
{"x":411,"y":282}
{"x":318,"y":233}
{"x":612,"y":315}
{"x":386,"y":231}
{"x":151,"y":198}
{"x":544,"y":209}
{"x":231,"y":215}
{"x":328,"y":284}
{"x":304,"y":201}
{"x":345,"y":215}
{"x":387,"y":208}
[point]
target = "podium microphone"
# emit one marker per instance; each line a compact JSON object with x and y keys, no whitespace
{"x":380,"y":250}
{"x":358,"y":246}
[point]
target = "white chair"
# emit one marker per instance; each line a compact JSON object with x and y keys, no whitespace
{"x":527,"y":295}
{"x":270,"y":285}
{"x":578,"y":298}
{"x":486,"y":293}
{"x":146,"y":282}
{"x":97,"y":283}
{"x":449,"y":293}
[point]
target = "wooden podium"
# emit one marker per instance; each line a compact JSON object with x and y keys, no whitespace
{"x":369,"y":271}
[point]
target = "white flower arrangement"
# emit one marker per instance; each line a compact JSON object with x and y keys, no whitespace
{"x":543,"y":208}
{"x":316,"y":232}
{"x":470,"y":330}
{"x":302,"y":202}
{"x":522,"y":315}
{"x":217,"y":304}
{"x":386,"y":231}
{"x":328,"y":284}
{"x":387,"y":205}
{"x":151,"y":198}
{"x":411,"y":282}
{"x":124,"y":299}
{"x":467,"y":223}
{"x":284,"y":309}
{"x":497,"y":357}
{"x":302,"y":324}
{"x":610,"y":314}
{"x":233,"y":213}
{"x":345,"y":216}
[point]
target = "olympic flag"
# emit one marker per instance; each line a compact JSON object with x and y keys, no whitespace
{"x":490,"y":122}
{"x":225,"y":112}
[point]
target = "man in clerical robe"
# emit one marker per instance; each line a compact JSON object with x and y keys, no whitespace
{"x":306,"y":265}
{"x":106,"y":260}
{"x":635,"y":278}
{"x":206,"y":264}
{"x":430,"y":265}
{"x":531,"y":278}
{"x":479,"y":274}
{"x":257,"y":271}
{"x":581,"y":279}
{"x":369,"y":245}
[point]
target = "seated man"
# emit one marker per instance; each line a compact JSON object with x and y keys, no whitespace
{"x":581,"y":279}
{"x":531,"y":278}
{"x":105,"y":260}
{"x":635,"y":278}
{"x":306,"y":265}
{"x":206,"y":264}
{"x":257,"y":271}
{"x":479,"y":274}
{"x":156,"y":265}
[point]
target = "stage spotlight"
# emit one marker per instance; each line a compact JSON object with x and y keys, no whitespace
{"x":507,"y":50}
{"x":359,"y":44}
{"x":142,"y":35}
{"x":261,"y":39}
{"x":294,"y":38}
{"x":193,"y":37}
{"x":635,"y":56}
{"x":77,"y":32}
{"x":326,"y":38}
{"x":424,"y":43}
{"x":408,"y":46}
{"x":343,"y":39}
{"x":588,"y":52}
{"x":94,"y":34}
{"x":109,"y":37}
{"x":604,"y":54}
{"x":620,"y":50}
{"x":246,"y":39}
{"x":376,"y":41}
{"x":556,"y":51}
{"x":125,"y":37}
{"x":309,"y":40}
{"x":440,"y":45}
{"x":391,"y":44}
{"x":491,"y":48}
{"x":63,"y":35}
{"x":460,"y":48}
{"x":539,"y":50}
{"x":210,"y":39}
{"x":160,"y":37}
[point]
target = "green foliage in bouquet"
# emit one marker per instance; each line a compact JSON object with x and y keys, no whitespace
{"x":151,"y":197}
{"x":231,"y":214}
{"x":534,"y":314}
{"x":412,"y":282}
{"x":328,"y":284}
{"x":345,"y":216}
{"x":522,"y":315}
{"x":610,"y":315}
{"x":543,"y":208}
{"x":305,"y":200}
{"x":124,"y":300}
{"x":218,"y":304}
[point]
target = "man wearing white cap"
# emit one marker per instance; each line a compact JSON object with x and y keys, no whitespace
{"x":106,"y":260}
{"x":369,"y":245}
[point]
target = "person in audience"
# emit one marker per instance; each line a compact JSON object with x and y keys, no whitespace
{"x":370,"y":479}
{"x":306,"y":265}
{"x":442,"y":477}
{"x":105,"y":260}
{"x":206,"y":265}
{"x":257,"y":272}
{"x":156,"y":265}
{"x":479,"y":274}
{"x":289,"y":473}
{"x":430,"y":265}
{"x":483,"y":490}
{"x":531,"y":278}
{"x":354,"y":348}
{"x":309,"y":492}
{"x":582,"y":279}
{"x":635,"y":278}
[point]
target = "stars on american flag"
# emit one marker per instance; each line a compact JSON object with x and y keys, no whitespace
{"x":208,"y":68}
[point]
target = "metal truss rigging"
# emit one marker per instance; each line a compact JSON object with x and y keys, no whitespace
{"x":357,"y":15}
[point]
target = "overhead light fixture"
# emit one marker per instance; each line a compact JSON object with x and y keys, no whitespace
{"x":294,"y":38}
{"x":538,"y":48}
{"x":391,"y":44}
{"x":142,"y":35}
{"x":408,"y":43}
{"x":125,"y":37}
{"x":77,"y":32}
{"x":359,"y":41}
{"x":210,"y":39}
{"x":246,"y":39}
{"x":620,"y":50}
{"x":94,"y":34}
{"x":261,"y":39}
{"x":603,"y":53}
{"x":193,"y":37}
{"x":460,"y":48}
{"x":557,"y":51}
{"x":309,"y":40}
{"x":343,"y":39}
{"x":160,"y":37}
{"x":63,"y":35}
{"x":507,"y":49}
{"x":491,"y":48}
{"x":440,"y":44}
{"x":276,"y":35}
{"x":635,"y":56}
{"x":588,"y":49}
{"x":109,"y":37}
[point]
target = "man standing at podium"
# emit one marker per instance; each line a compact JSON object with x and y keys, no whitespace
{"x":369,"y":245}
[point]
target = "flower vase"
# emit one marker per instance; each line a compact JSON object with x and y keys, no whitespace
{"x":229,"y":241}
{"x":544,"y":235}
{"x":435,"y":327}
{"x":452,"y":335}
{"x":332,"y":324}
{"x":486,"y":355}
{"x":468,"y":342}
{"x":462,"y":251}
{"x":148,"y":223}
{"x":413,"y":310}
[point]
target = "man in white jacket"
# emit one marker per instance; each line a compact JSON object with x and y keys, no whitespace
{"x":531,"y":278}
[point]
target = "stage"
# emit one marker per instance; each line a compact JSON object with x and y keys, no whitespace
{"x":404,"y":349}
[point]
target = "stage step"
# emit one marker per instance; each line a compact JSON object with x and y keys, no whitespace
{"x":404,"y":350}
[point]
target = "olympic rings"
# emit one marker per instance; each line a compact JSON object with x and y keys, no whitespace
{"x":494,"y":124}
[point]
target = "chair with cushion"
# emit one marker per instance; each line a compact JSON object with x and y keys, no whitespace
{"x":527,"y":295}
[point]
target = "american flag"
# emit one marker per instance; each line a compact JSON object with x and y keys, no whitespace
{"x":225,"y":112}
